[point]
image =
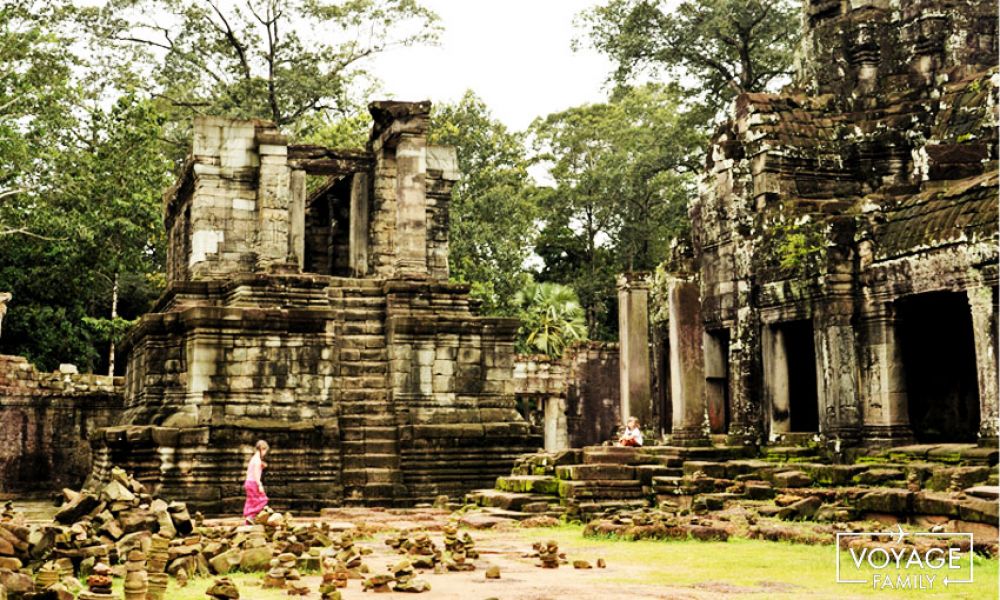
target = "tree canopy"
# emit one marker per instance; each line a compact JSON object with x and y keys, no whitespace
{"x":721,"y":48}
{"x":623,"y":174}
{"x":286,"y":61}
{"x":493,"y":209}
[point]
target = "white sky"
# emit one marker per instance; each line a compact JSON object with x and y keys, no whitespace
{"x":514,"y":54}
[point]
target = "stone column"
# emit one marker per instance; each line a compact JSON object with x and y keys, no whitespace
{"x":297,"y":218}
{"x":556,"y":427}
{"x":984,"y":326}
{"x":411,"y":206}
{"x":776,"y":395}
{"x":836,"y":377}
{"x":273,"y":191}
{"x":886,"y":418}
{"x":687,"y":371}
{"x":633,"y":334}
{"x":358,"y":235}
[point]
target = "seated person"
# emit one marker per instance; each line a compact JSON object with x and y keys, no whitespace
{"x":632,"y":436}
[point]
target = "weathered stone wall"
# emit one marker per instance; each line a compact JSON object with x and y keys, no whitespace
{"x":871,"y":179}
{"x":45,"y":421}
{"x":575,"y":399}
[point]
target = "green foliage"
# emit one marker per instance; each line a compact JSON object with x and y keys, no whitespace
{"x":82,"y":178}
{"x":726,"y":47}
{"x":797,"y":248}
{"x":493,"y":206}
{"x":624,"y":174}
{"x":109,"y":330}
{"x":284,"y":61}
{"x":551,"y":317}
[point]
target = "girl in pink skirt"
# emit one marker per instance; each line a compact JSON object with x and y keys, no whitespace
{"x":256,"y":498}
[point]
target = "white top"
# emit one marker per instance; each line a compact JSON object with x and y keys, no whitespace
{"x":634,"y":434}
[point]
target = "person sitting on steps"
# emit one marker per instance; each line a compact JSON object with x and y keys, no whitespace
{"x":632,"y":436}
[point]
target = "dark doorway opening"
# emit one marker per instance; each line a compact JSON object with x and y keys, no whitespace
{"x":803,"y":400}
{"x":939,"y":360}
{"x":717,"y":379}
{"x":327,"y":229}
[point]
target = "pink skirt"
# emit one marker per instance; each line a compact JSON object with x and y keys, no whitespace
{"x":256,"y":500}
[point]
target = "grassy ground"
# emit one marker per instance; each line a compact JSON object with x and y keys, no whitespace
{"x":774,"y":569}
{"x":739,"y":568}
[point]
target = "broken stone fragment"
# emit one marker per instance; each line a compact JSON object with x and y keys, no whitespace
{"x":493,"y":572}
{"x":79,"y":507}
{"x":223,"y":589}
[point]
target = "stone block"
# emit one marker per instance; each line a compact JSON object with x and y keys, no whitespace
{"x":792,"y":479}
{"x":589,"y":472}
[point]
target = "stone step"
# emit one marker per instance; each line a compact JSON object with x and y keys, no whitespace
{"x":593,"y":508}
{"x":375,"y":422}
{"x":595,"y":471}
{"x":646,"y":473}
{"x":668,"y":481}
{"x":362,"y":407}
{"x":614,"y":455}
{"x":510,"y":500}
{"x":607,"y":489}
{"x":361,"y":368}
{"x":539,"y":484}
{"x":361,"y":448}
{"x":358,"y":476}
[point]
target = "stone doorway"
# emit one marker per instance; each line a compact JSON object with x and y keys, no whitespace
{"x":790,"y":377}
{"x":716,"y":345}
{"x":939,"y":362}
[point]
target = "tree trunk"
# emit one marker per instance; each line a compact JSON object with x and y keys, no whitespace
{"x":114,"y":315}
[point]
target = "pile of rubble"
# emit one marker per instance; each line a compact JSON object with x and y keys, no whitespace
{"x":148,"y":540}
{"x":658,"y":524}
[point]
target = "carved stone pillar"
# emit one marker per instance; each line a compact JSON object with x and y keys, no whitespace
{"x":984,"y":326}
{"x":411,"y":206}
{"x":687,"y":371}
{"x":633,"y":333}
{"x":886,"y":418}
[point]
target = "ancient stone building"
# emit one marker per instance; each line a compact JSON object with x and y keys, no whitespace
{"x":842,"y":276}
{"x":322,"y":322}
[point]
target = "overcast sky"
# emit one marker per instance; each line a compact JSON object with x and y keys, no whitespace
{"x":514,"y":54}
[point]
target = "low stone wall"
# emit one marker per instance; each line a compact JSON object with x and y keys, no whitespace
{"x":575,"y":399}
{"x":45,"y":421}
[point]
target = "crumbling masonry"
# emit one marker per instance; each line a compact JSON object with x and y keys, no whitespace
{"x":842,"y":277}
{"x":321,"y":322}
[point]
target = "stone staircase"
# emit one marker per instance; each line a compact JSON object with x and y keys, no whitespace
{"x":925,"y":485}
{"x":590,"y":481}
{"x":369,"y":446}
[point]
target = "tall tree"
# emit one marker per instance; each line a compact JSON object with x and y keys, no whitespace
{"x":624,"y":173}
{"x":493,"y":210}
{"x":36,"y":96}
{"x":282,"y":60}
{"x":82,"y":177}
{"x":724,"y":47}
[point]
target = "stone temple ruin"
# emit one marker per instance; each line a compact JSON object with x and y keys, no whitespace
{"x":322,"y":322}
{"x":825,"y":347}
{"x":838,"y":298}
{"x":842,"y":279}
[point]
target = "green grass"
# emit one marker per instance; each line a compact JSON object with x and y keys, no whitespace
{"x":771,"y":568}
